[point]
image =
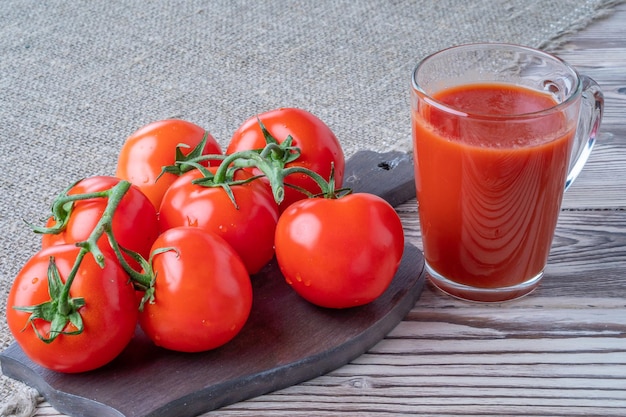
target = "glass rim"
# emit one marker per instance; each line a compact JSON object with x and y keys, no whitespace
{"x":573,"y":95}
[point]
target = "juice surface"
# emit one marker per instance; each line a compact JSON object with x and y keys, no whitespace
{"x":489,"y":188}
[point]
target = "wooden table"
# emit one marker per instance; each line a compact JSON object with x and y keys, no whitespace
{"x":559,"y":352}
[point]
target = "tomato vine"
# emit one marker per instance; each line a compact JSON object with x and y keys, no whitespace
{"x":61,"y":309}
{"x":271,"y":161}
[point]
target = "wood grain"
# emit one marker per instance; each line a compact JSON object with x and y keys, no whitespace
{"x":600,"y":52}
{"x":559,"y":352}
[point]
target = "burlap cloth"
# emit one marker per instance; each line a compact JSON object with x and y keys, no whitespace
{"x":77,"y":77}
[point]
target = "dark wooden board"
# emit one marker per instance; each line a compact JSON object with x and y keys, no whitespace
{"x":285,"y":341}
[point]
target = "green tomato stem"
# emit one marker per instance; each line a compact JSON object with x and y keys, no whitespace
{"x":115,"y":195}
{"x":64,"y":305}
{"x":273,"y":172}
{"x":327,"y":188}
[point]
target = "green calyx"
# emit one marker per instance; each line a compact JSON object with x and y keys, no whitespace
{"x":148,"y":295}
{"x":59,"y":311}
{"x":184,"y":163}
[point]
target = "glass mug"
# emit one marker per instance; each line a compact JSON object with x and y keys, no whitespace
{"x":499,"y":133}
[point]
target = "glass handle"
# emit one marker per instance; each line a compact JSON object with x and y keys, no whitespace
{"x":592,"y":107}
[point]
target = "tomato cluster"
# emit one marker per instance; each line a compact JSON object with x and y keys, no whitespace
{"x":173,"y":240}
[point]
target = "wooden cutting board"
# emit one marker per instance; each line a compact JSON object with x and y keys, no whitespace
{"x":285,"y":341}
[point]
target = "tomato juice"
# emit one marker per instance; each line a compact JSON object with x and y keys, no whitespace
{"x":489,"y":185}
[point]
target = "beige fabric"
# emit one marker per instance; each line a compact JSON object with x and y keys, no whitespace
{"x":77,"y":77}
{"x":20,"y":400}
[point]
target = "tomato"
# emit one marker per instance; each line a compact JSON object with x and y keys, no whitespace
{"x":248,"y":228}
{"x":202,"y":292}
{"x":149,"y":149}
{"x":134,"y":224}
{"x":342,"y":252}
{"x":109,"y":314}
{"x":319,"y":147}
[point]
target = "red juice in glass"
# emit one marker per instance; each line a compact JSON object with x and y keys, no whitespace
{"x":489,"y":190}
{"x":494,"y":128}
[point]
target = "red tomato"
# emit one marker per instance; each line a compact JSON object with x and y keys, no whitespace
{"x":109,"y":314}
{"x":152,"y":147}
{"x":342,"y":252}
{"x":249,"y":229}
{"x":318,"y":145}
{"x":135,"y":224}
{"x":202,"y":292}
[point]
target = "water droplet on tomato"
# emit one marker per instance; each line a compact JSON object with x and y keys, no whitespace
{"x":298,"y":278}
{"x":35,"y":280}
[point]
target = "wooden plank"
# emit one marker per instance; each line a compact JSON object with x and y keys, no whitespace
{"x":599,"y":51}
{"x":602,"y":182}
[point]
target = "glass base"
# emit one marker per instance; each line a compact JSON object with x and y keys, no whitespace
{"x":485,"y":295}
